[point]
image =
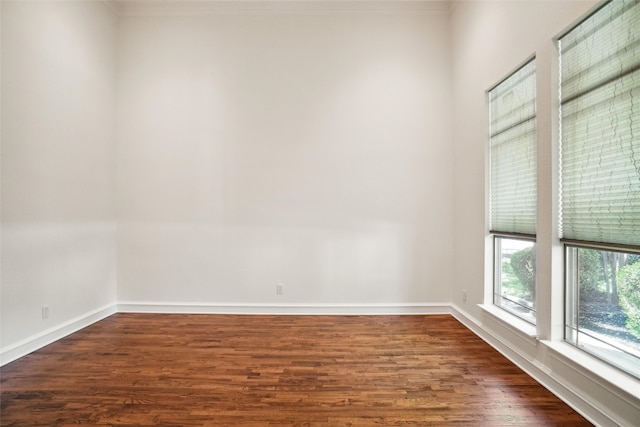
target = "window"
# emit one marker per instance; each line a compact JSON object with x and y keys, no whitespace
{"x":514,"y":282}
{"x":602,"y":315}
{"x":512,"y":190}
{"x":600,"y":182}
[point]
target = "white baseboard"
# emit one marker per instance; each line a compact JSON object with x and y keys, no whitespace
{"x":537,"y":371}
{"x":44,"y":338}
{"x":284,"y":309}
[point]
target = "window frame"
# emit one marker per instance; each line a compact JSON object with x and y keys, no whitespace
{"x":570,"y":246}
{"x":571,"y":305}
{"x":495,"y":279}
{"x":497,"y":275}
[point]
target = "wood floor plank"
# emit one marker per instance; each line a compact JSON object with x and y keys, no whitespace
{"x":227,"y":370}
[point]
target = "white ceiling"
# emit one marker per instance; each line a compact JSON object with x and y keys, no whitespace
{"x":197,"y":7}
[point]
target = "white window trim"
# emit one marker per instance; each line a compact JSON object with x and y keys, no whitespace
{"x":612,"y":378}
{"x":521,"y":326}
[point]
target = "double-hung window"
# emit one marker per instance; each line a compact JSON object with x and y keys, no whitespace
{"x":512,"y":190}
{"x":600,"y":182}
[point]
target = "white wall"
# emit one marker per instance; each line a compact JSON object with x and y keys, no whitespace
{"x":489,"y":40}
{"x":308,"y":149}
{"x":58,"y":179}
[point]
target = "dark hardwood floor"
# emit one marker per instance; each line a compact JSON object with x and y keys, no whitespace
{"x":226,"y":370}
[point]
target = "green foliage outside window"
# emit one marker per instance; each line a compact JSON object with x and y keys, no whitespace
{"x":609,"y":293}
{"x":523,"y":264}
{"x":605,"y":279}
{"x":590,"y":274}
{"x":629,"y":292}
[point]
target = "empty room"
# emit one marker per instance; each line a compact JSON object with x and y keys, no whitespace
{"x":320,"y":212}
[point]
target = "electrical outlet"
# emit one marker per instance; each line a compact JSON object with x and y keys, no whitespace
{"x":464,"y":296}
{"x":279,"y":289}
{"x":45,"y":311}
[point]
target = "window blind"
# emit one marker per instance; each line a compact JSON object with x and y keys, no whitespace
{"x":600,"y":126}
{"x":512,"y":153}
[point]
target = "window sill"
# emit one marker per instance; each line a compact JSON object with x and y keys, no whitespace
{"x":510,"y":320}
{"x":616,"y":378}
